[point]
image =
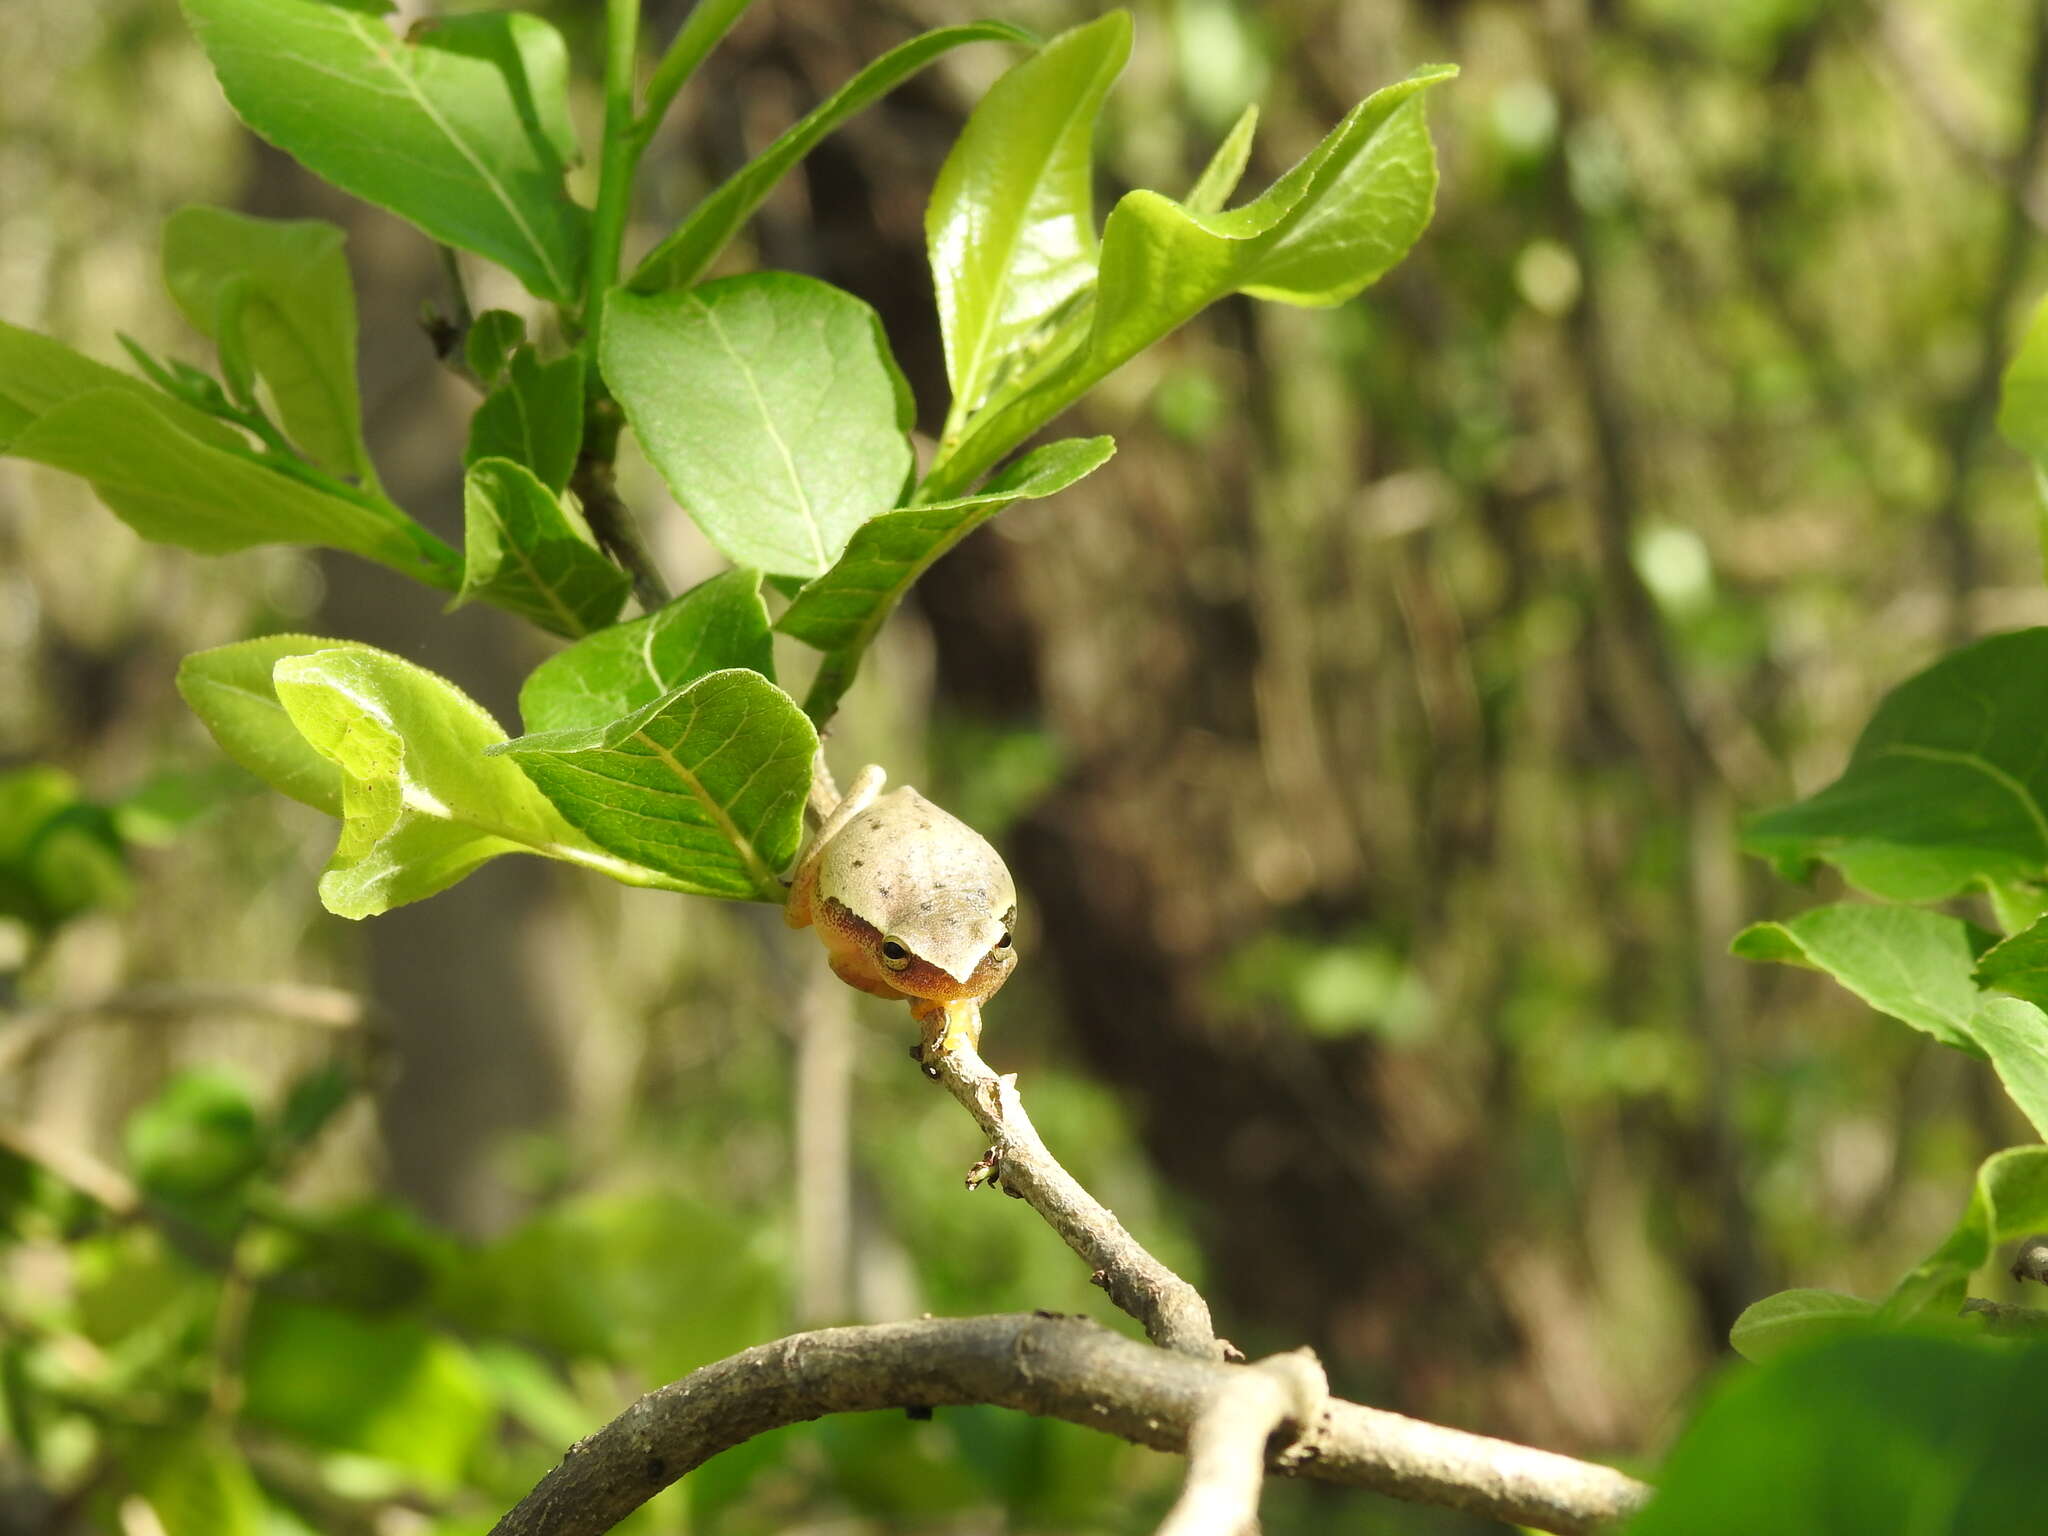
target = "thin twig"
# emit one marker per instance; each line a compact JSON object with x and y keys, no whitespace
{"x":611,"y":521}
{"x":24,"y":1032}
{"x":1057,"y":1367}
{"x":1173,"y":1312}
{"x":2007,"y":1319}
{"x":81,"y":1170}
{"x":1227,"y":1443}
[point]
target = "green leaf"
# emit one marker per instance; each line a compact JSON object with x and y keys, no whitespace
{"x":843,"y":610}
{"x":1011,"y":224}
{"x":2014,"y":1035}
{"x":493,"y":337}
{"x":2018,"y":965}
{"x":1944,"y":789}
{"x":717,"y":624}
{"x":688,"y":253}
{"x":1914,"y":965}
{"x":1795,"y":1318}
{"x":229,"y":688}
{"x":1225,"y":169}
{"x":533,"y":417}
{"x":199,"y":1137}
{"x":1864,"y":1436}
{"x":2023,"y":400}
{"x":388,"y":1388}
{"x":422,"y":804}
{"x":597,"y":1275}
{"x":532,"y":554}
{"x":60,"y":854}
{"x":706,"y":784}
{"x":38,"y":374}
{"x":175,"y":488}
{"x":1319,"y":235}
{"x":277,"y":292}
{"x":2009,"y":1201}
{"x":772,"y":408}
{"x":197,"y":1484}
{"x":845,"y":606}
{"x":461,"y":127}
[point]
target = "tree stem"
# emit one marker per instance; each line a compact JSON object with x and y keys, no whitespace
{"x":619,"y":159}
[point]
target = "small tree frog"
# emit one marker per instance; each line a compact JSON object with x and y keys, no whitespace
{"x":910,"y":903}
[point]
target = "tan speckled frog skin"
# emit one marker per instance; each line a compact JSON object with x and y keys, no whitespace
{"x":909,"y":901}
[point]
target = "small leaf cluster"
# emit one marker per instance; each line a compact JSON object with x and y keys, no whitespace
{"x":1944,"y":796}
{"x":658,"y":748}
{"x":64,"y":853}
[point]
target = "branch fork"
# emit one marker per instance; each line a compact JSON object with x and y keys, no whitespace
{"x":1191,"y":1393}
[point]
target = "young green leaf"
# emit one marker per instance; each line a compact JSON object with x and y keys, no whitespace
{"x":461,"y":127}
{"x":1944,"y":790}
{"x":1912,"y":964}
{"x":230,"y":689}
{"x":38,"y":374}
{"x":1794,"y":1318}
{"x":688,"y":253}
{"x":1011,"y":224}
{"x":2009,"y":1201}
{"x":1319,"y":235}
{"x":534,"y":417}
{"x":531,"y":553}
{"x":1873,"y":1435}
{"x":706,"y":784}
{"x":493,"y":337}
{"x":772,"y":408}
{"x":1225,"y":169}
{"x":717,"y":624}
{"x":422,"y":805}
{"x":176,"y":488}
{"x":277,"y":293}
{"x":842,"y":611}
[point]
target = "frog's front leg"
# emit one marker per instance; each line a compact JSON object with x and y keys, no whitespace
{"x":803,"y":884}
{"x":945,"y":1026}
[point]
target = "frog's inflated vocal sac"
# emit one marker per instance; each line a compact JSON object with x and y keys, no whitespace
{"x":911,"y":903}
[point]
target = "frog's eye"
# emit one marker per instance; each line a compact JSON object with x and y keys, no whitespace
{"x":1004,"y":941}
{"x":894,"y":955}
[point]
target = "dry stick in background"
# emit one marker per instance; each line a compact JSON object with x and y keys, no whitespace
{"x":1181,"y":1396}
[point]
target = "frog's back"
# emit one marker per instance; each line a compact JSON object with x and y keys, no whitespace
{"x":903,"y":860}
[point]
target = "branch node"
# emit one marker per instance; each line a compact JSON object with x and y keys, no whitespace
{"x":2031,"y":1262}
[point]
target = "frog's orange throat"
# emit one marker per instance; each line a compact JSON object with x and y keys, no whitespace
{"x":854,"y":946}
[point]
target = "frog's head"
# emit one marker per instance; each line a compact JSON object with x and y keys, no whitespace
{"x":924,"y":899}
{"x":949,"y":948}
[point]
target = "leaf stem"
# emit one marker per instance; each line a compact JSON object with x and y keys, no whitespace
{"x":708,"y":21}
{"x":619,"y":158}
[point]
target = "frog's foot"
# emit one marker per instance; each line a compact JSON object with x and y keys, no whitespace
{"x":945,"y":1027}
